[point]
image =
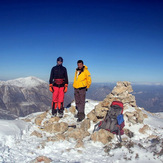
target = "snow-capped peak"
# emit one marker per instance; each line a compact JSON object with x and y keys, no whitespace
{"x":24,"y":82}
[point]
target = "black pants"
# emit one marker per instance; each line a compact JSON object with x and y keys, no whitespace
{"x":80,"y":100}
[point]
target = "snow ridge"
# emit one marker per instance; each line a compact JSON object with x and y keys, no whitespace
{"x":24,"y":82}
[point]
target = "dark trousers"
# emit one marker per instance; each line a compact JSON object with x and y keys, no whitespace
{"x":80,"y":100}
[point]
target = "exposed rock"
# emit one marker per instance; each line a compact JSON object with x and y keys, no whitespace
{"x":66,"y":110}
{"x":38,"y":121}
{"x":144,"y":129}
{"x":41,"y":159}
{"x":35,"y":133}
{"x":57,"y":137}
{"x":57,"y":127}
{"x":100,"y":111}
{"x":80,"y":144}
{"x":129,"y":133}
{"x":73,"y":110}
{"x":85,"y":125}
{"x":140,"y":117}
{"x":40,"y":118}
{"x":145,"y":115}
{"x":131,"y":117}
{"x":77,"y":134}
{"x":27,"y":120}
{"x":92,"y":116}
{"x":152,"y":137}
{"x":102,"y":136}
{"x":51,"y":120}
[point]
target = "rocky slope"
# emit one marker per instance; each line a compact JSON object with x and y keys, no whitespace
{"x":142,"y":132}
{"x":23,"y":96}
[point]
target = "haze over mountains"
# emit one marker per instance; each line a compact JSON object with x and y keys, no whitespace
{"x":24,"y":96}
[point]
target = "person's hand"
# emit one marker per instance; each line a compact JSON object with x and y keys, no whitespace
{"x":51,"y":88}
{"x":65,"y":88}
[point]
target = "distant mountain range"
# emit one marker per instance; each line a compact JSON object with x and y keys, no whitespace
{"x":24,"y":96}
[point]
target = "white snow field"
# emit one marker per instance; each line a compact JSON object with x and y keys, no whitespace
{"x":17,"y":146}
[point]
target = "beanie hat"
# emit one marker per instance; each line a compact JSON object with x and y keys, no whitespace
{"x":60,"y":59}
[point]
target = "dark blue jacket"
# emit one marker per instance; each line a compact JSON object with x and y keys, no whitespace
{"x":58,"y":72}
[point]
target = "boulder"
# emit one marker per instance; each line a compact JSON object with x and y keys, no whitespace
{"x":39,"y":118}
{"x":79,"y":144}
{"x":51,"y":120}
{"x":131,"y":117}
{"x":73,"y":110}
{"x":144,"y":129}
{"x":57,"y":137}
{"x":41,"y":159}
{"x":92,"y":116}
{"x":37,"y":134}
{"x":102,"y":136}
{"x":100,"y":111}
{"x":38,"y":121}
{"x":119,"y":90}
{"x":85,"y":125}
{"x":77,"y":134}
{"x":140,"y":117}
{"x":129,"y":133}
{"x":56,"y":127}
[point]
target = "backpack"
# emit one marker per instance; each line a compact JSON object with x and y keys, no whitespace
{"x":114,"y":121}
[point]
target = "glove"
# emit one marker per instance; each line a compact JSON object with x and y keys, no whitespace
{"x":51,"y":88}
{"x":65,"y":88}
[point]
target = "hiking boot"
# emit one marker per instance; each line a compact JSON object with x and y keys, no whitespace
{"x":76,"y":116}
{"x":60,"y":115}
{"x":60,"y":112}
{"x":81,"y":116}
{"x":79,"y":120}
{"x":54,"y":115}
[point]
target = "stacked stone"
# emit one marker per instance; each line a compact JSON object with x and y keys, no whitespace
{"x":121,"y":92}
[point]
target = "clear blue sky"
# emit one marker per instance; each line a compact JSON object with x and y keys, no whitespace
{"x":117,"y":40}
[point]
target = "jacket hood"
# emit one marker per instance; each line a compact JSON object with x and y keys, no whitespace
{"x":85,"y":67}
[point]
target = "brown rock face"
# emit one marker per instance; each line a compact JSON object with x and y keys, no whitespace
{"x":135,"y":117}
{"x":73,"y":110}
{"x":57,"y":137}
{"x":144,"y":129}
{"x":102,"y":136}
{"x":80,"y":144}
{"x":100,"y":111}
{"x":129,"y":133}
{"x":77,"y":134}
{"x":92,"y":116}
{"x":56,"y":127}
{"x":35,"y":133}
{"x":85,"y":125}
{"x":40,"y":118}
{"x":41,"y":159}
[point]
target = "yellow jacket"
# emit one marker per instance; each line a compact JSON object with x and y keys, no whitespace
{"x":83,"y":79}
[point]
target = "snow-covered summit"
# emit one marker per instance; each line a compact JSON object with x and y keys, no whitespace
{"x":17,"y":142}
{"x":24,"y":82}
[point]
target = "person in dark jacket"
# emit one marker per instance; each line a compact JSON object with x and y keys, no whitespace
{"x":58,"y":84}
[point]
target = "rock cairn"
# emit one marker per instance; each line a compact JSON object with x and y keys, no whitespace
{"x":121,"y":92}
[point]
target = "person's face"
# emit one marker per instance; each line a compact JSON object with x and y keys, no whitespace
{"x":59,"y":62}
{"x":80,"y":66}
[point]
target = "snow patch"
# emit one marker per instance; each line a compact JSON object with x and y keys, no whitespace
{"x":24,"y":82}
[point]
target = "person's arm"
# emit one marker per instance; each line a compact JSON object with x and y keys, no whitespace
{"x":66,"y":81}
{"x":51,"y":77}
{"x":88,"y":79}
{"x":66,"y":76}
{"x":51,"y":81}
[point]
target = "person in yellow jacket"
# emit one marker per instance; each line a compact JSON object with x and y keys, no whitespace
{"x":82,"y":82}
